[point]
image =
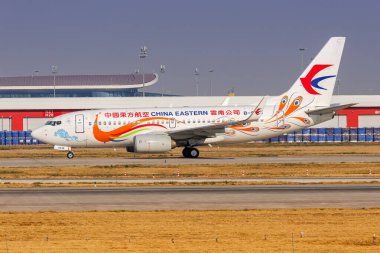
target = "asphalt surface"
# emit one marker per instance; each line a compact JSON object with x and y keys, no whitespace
{"x":29,"y":162}
{"x":190,"y":198}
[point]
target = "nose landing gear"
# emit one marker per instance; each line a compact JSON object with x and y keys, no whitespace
{"x":190,"y":152}
{"x":69,"y":155}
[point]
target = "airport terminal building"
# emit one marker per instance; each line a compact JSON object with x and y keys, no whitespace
{"x":28,"y":102}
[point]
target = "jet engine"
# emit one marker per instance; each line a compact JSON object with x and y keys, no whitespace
{"x":151,"y":143}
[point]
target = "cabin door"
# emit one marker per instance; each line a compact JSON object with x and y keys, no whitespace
{"x":172,"y":123}
{"x":280,"y":118}
{"x":79,"y":123}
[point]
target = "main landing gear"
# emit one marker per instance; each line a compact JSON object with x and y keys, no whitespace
{"x":189,"y":152}
{"x":70,"y":155}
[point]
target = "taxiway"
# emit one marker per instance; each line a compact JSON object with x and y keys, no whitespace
{"x":190,"y":198}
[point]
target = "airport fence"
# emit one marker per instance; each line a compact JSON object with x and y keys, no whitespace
{"x":321,"y":135}
{"x":313,"y":135}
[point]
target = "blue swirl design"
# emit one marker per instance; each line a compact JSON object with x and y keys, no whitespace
{"x":315,"y":82}
{"x":61,"y":133}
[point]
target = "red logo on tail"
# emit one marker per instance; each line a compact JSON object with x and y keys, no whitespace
{"x":309,"y":83}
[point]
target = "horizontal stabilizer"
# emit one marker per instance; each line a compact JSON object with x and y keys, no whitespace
{"x":330,"y":109}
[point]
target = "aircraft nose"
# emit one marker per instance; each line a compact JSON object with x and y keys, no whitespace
{"x":38,"y":134}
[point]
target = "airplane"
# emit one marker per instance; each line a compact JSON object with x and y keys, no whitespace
{"x":156,"y":130}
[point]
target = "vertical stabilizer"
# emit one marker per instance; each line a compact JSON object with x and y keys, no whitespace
{"x":316,"y":84}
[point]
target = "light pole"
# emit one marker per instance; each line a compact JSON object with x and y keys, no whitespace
{"x":302,"y":50}
{"x":143,"y":55}
{"x":196,"y":73}
{"x":35,"y":73}
{"x":211,"y":71}
{"x":338,"y":86}
{"x":162,"y":71}
{"x":54,"y":71}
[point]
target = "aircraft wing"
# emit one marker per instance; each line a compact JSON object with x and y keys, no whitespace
{"x":210,"y":131}
{"x":329,"y":109}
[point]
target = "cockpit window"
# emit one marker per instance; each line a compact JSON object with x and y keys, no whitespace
{"x":53,"y":123}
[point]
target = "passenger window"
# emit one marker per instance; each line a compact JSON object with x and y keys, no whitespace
{"x":119,"y":123}
{"x":199,"y":121}
{"x":90,"y":123}
{"x":109,"y":122}
{"x":203,"y":121}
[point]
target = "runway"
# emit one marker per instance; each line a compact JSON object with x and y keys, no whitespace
{"x":78,"y":161}
{"x":190,"y":198}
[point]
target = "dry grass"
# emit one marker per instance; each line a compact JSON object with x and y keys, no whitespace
{"x":324,"y":230}
{"x":195,"y":171}
{"x":240,"y":150}
{"x":198,"y":171}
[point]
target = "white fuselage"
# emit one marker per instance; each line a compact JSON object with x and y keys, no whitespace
{"x":117,"y":127}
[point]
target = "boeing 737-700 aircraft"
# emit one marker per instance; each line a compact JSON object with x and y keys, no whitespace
{"x":155,"y":130}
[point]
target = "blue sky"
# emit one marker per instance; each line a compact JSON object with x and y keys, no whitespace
{"x":251,"y":45}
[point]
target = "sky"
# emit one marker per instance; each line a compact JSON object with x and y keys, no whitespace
{"x":252,"y":46}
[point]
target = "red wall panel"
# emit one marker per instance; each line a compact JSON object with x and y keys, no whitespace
{"x":18,"y":116}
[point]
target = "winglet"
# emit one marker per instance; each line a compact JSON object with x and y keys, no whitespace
{"x":258,"y":111}
{"x":226,"y":101}
{"x":330,"y":109}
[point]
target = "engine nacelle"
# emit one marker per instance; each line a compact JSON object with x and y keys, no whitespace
{"x":151,"y":143}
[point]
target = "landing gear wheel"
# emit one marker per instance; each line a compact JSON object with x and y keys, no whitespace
{"x":70,"y":155}
{"x":193,"y":153}
{"x":190,"y":152}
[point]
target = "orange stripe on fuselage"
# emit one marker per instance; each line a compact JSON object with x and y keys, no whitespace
{"x":103,"y":136}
